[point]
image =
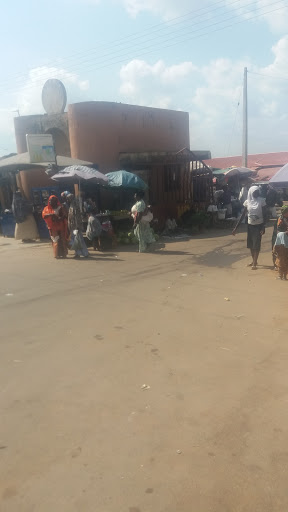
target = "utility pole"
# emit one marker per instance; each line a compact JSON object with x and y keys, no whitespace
{"x":245,"y":123}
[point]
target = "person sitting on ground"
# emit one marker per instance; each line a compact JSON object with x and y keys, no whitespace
{"x":94,"y":228}
{"x":255,"y":207}
{"x":280,"y":252}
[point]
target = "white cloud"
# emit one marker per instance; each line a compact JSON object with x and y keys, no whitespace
{"x":175,"y":73}
{"x":277,"y":19}
{"x":27,"y":99}
{"x":138,"y":72}
{"x":275,"y":13}
{"x":165,"y":8}
{"x":211,"y":94}
{"x":278,"y":67}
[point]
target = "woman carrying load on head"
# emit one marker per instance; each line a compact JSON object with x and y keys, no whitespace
{"x":255,"y":208}
{"x":55,"y":217}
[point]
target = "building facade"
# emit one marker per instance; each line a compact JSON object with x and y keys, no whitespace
{"x":100,"y":131}
{"x":54,"y":124}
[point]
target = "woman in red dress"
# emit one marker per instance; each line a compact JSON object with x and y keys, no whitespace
{"x":55,"y":217}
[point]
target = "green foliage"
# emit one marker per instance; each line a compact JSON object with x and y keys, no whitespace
{"x":200,"y":220}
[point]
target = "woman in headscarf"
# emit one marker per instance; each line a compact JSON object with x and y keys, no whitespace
{"x":280,"y":226}
{"x":54,"y":215}
{"x":75,"y":226}
{"x":255,"y":209}
{"x":142,"y":223}
{"x":26,"y":227}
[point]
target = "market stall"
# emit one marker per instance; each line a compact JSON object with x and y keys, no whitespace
{"x":228,"y":183}
{"x":36,"y":185}
{"x":179,"y":181}
{"x":126,"y":184}
{"x":89,"y":186}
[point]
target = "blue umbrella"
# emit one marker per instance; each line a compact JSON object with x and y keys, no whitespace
{"x":281,"y":178}
{"x":126,"y":179}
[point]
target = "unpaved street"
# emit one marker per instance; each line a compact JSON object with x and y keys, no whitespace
{"x":79,"y":339}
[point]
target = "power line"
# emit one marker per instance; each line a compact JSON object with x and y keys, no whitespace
{"x":157,"y":28}
{"x":188,"y":28}
{"x":147,"y":51}
{"x":121,"y":56}
{"x":269,"y":76}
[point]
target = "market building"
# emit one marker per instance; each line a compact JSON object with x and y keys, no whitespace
{"x":98,"y":131}
{"x":111,"y":136}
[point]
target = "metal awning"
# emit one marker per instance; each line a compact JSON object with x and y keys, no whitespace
{"x":21,"y":162}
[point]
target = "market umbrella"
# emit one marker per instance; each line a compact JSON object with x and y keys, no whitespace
{"x":78,"y":173}
{"x":280,"y":179}
{"x":126,"y":179}
{"x":233,"y":171}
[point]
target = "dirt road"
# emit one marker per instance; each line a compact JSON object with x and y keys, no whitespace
{"x":79,"y":339}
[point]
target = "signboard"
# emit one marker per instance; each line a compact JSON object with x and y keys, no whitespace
{"x":41,"y":148}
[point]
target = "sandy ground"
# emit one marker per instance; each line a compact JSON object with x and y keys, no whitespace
{"x":80,"y":338}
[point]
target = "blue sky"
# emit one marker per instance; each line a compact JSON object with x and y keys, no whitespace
{"x":162,"y":53}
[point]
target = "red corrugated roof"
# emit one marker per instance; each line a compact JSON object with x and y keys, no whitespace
{"x":267,"y":173}
{"x":254,"y":161}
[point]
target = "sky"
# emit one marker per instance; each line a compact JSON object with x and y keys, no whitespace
{"x":160,"y":53}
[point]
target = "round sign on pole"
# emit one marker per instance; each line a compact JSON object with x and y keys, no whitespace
{"x":54,"y":97}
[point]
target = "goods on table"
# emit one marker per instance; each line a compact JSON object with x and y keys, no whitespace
{"x":126,"y":238}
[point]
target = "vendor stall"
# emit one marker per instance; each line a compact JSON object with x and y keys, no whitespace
{"x":228,"y":183}
{"x":178,"y":181}
{"x":125,"y":184}
{"x":18,"y":172}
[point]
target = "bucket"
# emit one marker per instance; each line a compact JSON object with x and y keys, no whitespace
{"x":222,"y":214}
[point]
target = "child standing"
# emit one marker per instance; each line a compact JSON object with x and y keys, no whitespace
{"x":280,"y":252}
